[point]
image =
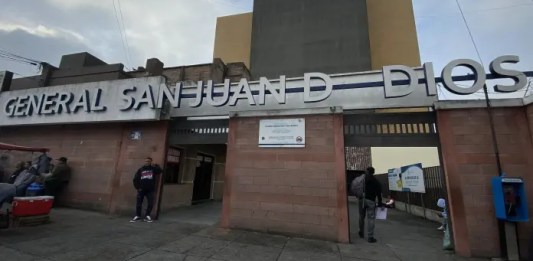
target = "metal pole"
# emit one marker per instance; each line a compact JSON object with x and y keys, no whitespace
{"x":423,"y":205}
{"x":409,"y":202}
{"x":501,"y":224}
{"x":493,"y":131}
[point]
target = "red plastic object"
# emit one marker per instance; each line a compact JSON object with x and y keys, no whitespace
{"x":32,"y":206}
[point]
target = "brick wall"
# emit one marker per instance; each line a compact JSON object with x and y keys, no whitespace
{"x":470,"y":164}
{"x":287,"y":190}
{"x":91,"y":150}
{"x":131,"y":157}
{"x":102,"y":157}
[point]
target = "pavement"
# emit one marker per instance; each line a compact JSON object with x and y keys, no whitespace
{"x":191,"y":234}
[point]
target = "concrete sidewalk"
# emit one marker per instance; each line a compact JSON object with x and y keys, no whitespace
{"x":191,"y":234}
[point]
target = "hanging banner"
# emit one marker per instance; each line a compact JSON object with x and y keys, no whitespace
{"x":395,"y":181}
{"x":412,"y":177}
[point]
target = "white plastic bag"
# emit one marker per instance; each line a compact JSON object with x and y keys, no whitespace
{"x":381,"y":213}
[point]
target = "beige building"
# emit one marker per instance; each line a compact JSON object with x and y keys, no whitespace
{"x":392,"y":41}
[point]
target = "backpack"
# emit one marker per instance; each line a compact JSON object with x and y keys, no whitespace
{"x":358,"y":186}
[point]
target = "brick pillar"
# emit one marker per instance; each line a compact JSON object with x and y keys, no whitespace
{"x":469,"y":163}
{"x":298,"y":191}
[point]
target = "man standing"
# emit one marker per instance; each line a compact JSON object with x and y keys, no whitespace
{"x":55,"y":182}
{"x":367,"y":204}
{"x":145,"y":184}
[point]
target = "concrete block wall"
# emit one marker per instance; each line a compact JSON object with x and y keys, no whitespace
{"x":102,"y":158}
{"x":298,"y":191}
{"x":131,"y":158}
{"x":469,"y":162}
{"x":91,"y":150}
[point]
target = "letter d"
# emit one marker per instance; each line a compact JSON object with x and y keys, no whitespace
{"x":307,"y":87}
{"x":398,"y":91}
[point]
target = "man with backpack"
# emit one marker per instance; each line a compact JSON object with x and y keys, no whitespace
{"x":366,"y":188}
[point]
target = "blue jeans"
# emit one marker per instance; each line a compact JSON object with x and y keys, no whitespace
{"x":7,"y":192}
{"x":367,"y":208}
{"x":140,"y":198}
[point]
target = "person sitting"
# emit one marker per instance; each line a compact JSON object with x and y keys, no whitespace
{"x":20,"y":184}
{"x":441,"y":203}
{"x":390,"y":203}
{"x":18,"y":169}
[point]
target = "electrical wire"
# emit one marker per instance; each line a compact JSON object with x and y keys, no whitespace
{"x":477,"y":11}
{"x":125,"y":34}
{"x":20,"y":59}
{"x":120,"y":31}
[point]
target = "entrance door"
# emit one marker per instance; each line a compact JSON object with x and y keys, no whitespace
{"x":395,"y":140}
{"x":202,"y":178}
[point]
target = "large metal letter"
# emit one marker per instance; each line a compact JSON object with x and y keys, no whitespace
{"x":243,"y":86}
{"x":392,"y":91}
{"x":63,"y":104}
{"x":307,"y":87}
{"x":476,"y":68}
{"x":96,"y":106}
{"x":210,"y":93}
{"x":147,"y":97}
{"x":9,"y":108}
{"x":431,"y":85}
{"x":35,"y":104}
{"x":519,"y":77}
{"x":48,"y":102}
{"x":199,"y":95}
{"x":173,"y":98}
{"x":129,"y":101}
{"x":21,"y":106}
{"x":264,"y":85}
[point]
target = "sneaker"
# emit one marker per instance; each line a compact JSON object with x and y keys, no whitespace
{"x":148,"y":219}
{"x":372,"y":240}
{"x":441,"y":228}
{"x":135,"y":219}
{"x":361,"y":235}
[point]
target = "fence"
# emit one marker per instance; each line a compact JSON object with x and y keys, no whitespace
{"x":435,"y":189}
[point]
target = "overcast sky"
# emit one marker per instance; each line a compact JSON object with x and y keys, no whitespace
{"x":181,"y":32}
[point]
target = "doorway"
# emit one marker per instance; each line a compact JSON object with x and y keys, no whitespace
{"x":394,"y":140}
{"x":202,"y":179}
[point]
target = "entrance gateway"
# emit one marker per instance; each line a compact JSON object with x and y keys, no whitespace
{"x":265,"y":188}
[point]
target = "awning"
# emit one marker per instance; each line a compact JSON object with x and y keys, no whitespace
{"x":5,"y":146}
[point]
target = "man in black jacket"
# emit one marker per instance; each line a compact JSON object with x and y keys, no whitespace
{"x":367,"y":205}
{"x":145,"y":183}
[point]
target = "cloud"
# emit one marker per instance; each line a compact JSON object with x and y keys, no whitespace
{"x":498,"y":28}
{"x":44,"y":47}
{"x":178,"y":32}
{"x":181,"y":32}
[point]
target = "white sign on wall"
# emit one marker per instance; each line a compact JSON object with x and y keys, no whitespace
{"x":413,"y":178}
{"x":278,"y":133}
{"x":395,"y":182}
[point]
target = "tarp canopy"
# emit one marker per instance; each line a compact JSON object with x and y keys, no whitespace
{"x":5,"y":146}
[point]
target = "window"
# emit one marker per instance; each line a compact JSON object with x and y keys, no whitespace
{"x":172,"y":170}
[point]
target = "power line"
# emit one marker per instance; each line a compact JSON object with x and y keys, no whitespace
{"x":20,"y":59}
{"x":501,"y":227}
{"x":121,"y":34}
{"x":469,"y":31}
{"x":15,"y":56}
{"x":125,"y":34}
{"x":477,"y":11}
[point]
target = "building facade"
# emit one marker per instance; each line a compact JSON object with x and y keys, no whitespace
{"x":106,"y":125}
{"x":104,"y":155}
